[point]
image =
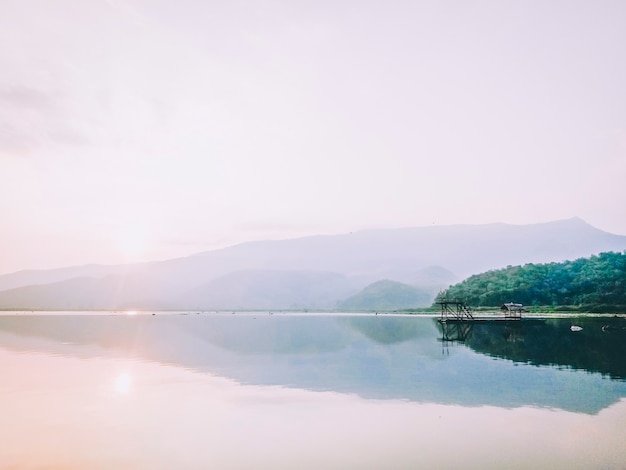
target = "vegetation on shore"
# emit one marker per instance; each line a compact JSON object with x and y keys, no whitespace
{"x":595,"y":284}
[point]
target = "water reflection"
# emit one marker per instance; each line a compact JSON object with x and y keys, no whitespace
{"x":596,"y":344}
{"x":59,"y":411}
{"x":384,"y":357}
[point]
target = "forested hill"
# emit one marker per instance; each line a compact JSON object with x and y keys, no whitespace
{"x":595,"y":284}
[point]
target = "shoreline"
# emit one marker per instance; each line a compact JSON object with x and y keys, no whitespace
{"x":139,"y":312}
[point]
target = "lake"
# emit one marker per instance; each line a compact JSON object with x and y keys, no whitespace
{"x":195,"y":390}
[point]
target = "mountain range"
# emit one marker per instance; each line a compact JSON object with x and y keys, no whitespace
{"x":315,"y":272}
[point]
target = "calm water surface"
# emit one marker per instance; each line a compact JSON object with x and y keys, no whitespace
{"x":310,"y":391}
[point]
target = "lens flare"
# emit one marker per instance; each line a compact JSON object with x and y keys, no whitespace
{"x":123,"y":383}
{"x":132,"y":242}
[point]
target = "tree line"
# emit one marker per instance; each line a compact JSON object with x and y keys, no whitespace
{"x":590,"y":284}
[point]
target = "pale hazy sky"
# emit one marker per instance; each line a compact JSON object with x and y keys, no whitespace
{"x":149,"y":129}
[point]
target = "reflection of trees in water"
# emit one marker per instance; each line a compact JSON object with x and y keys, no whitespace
{"x":599,"y":347}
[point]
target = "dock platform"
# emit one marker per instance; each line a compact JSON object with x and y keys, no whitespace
{"x":457,"y":311}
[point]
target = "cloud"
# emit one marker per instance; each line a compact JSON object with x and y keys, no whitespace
{"x":25,"y":97}
{"x":31,"y":119}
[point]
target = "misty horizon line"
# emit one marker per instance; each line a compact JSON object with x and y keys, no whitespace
{"x":301,"y":237}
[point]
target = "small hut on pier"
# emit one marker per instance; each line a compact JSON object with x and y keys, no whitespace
{"x":512,"y":310}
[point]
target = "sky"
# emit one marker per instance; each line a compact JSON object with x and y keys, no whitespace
{"x":136,"y":130}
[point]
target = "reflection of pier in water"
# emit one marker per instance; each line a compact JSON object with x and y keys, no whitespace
{"x":461,"y":331}
{"x":456,"y":331}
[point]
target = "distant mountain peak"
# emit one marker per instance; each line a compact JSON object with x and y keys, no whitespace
{"x":576,"y":221}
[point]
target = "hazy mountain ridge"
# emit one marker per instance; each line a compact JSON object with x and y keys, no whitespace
{"x":84,"y":293}
{"x":261,"y":289}
{"x":388,"y":295}
{"x":426,"y":257}
{"x":48,"y":276}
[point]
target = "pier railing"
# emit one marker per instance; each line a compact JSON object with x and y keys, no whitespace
{"x":455,"y":309}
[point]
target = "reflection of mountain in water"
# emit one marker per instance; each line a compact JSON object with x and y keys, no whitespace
{"x":389,"y":332}
{"x":380,"y":356}
{"x":599,"y":347}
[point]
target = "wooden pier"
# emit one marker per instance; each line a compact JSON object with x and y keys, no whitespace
{"x":457,"y":320}
{"x":455,"y":311}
